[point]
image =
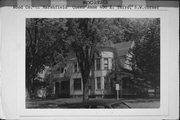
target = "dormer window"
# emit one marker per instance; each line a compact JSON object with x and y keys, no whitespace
{"x":76,"y":68}
{"x":62,"y":70}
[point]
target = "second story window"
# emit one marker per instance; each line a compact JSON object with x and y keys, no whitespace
{"x":106,"y":64}
{"x":98,"y":64}
{"x":76,"y":69}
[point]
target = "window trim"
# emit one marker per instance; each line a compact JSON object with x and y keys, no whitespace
{"x":107,"y":68}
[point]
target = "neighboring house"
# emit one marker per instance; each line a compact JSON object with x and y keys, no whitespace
{"x":39,"y":84}
{"x":67,"y":78}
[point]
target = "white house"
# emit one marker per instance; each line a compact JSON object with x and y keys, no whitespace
{"x":68,"y":80}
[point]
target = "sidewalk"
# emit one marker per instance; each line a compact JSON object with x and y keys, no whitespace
{"x":134,"y":103}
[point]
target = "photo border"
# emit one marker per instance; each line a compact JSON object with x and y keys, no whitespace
{"x":164,"y":97}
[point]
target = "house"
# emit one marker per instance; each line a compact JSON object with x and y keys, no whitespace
{"x":67,"y":80}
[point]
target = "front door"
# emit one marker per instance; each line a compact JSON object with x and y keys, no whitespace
{"x":57,"y":91}
{"x":65,"y":89}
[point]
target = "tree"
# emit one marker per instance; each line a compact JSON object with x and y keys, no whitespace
{"x":147,"y":55}
{"x":47,"y":39}
{"x":83,"y":39}
{"x":44,"y":46}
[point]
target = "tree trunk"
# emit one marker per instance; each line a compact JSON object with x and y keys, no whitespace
{"x":85,"y":92}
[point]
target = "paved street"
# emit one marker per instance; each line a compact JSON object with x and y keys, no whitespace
{"x":133,"y":103}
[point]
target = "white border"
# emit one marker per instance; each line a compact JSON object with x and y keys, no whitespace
{"x":17,"y":32}
{"x":101,"y":14}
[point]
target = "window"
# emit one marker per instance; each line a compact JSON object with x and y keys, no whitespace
{"x":105,"y":63}
{"x":98,"y":80}
{"x":98,"y":64}
{"x":76,"y":67}
{"x":62,"y":70}
{"x":77,"y":84}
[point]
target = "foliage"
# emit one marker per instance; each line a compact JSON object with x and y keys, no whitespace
{"x":146,"y":55}
{"x":49,"y":40}
{"x":83,"y":38}
{"x":44,"y":46}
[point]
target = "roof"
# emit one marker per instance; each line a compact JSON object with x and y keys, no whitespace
{"x":122,"y":48}
{"x":107,"y":43}
{"x":123,"y":45}
{"x":71,"y":55}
